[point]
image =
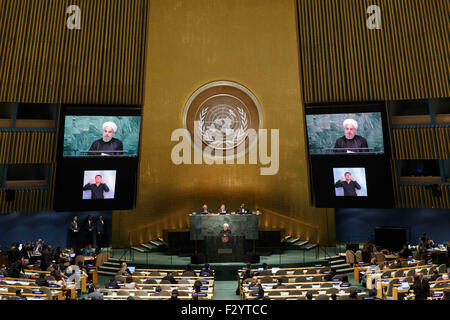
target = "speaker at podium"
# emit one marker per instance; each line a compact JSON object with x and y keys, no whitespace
{"x":224,"y":248}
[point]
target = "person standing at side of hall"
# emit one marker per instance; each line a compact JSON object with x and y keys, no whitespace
{"x":89,"y":230}
{"x":101,"y":231}
{"x":74,"y":232}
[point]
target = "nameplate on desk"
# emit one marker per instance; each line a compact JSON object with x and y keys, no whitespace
{"x":225,"y":251}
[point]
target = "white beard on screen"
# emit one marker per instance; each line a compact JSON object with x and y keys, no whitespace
{"x":107,"y":139}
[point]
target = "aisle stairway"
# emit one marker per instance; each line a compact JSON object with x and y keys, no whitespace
{"x":157,"y":245}
{"x":338,"y":263}
{"x":297,"y":244}
{"x":111,"y":267}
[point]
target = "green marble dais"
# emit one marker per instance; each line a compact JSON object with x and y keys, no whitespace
{"x":210,"y":225}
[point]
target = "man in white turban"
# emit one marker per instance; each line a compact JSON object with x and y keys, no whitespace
{"x":107,"y":144}
{"x":351,"y":142}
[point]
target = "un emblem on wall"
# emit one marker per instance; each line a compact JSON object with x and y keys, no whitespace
{"x":219,"y":115}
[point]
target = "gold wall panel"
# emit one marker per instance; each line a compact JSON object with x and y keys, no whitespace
{"x":20,"y":147}
{"x":43,"y":61}
{"x":421,"y":196}
{"x":32,"y":199}
{"x":253,"y":43}
{"x":342,"y":60}
{"x":421,"y":143}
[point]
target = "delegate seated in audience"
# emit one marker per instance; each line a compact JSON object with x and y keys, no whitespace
{"x":3,"y":271}
{"x":174,"y":295}
{"x":261,"y":295}
{"x":446,"y":295}
{"x":345,"y":282}
{"x":88,"y":251}
{"x":123,"y":270}
{"x":157,"y":292}
{"x":112,"y":284}
{"x":170,"y":278}
{"x":372,"y":295}
{"x":245,"y":275}
{"x":41,"y":281}
{"x":330,"y":275}
{"x":353,"y":295}
{"x":60,"y":280}
{"x":82,"y":268}
{"x":74,"y":276}
{"x":254,"y":282}
{"x":372,"y":267}
{"x":421,"y":287}
{"x":188,"y":271}
{"x":206,"y":271}
{"x":19,"y":295}
{"x":396,"y":264}
{"x":405,"y":253}
{"x":279,"y":284}
{"x":58,"y":257}
{"x":130,"y":284}
{"x":421,"y":248}
{"x":264,"y":267}
{"x":434,"y":276}
{"x":333,"y":296}
{"x":309,"y":295}
{"x":385,"y":265}
{"x":197,"y":286}
{"x":96,"y":295}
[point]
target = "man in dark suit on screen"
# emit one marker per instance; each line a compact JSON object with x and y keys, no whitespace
{"x":97,"y":187}
{"x":349,"y":185}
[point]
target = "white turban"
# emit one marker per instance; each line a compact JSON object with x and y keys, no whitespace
{"x":110,"y":124}
{"x":352,"y":122}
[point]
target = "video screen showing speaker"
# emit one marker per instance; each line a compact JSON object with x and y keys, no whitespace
{"x":98,"y":153}
{"x":99,"y":184}
{"x":350,"y":182}
{"x":101,"y":131}
{"x":339,"y":133}
{"x":349,"y":156}
{"x":96,"y":185}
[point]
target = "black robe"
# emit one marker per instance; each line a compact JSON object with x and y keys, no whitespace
{"x":356,"y":142}
{"x":112,"y":145}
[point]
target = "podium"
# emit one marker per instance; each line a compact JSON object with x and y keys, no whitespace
{"x":224,"y":249}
